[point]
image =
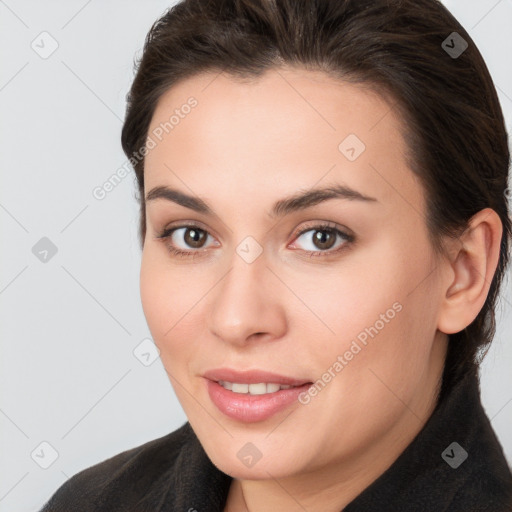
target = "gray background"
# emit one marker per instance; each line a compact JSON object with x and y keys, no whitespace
{"x":70,"y":325}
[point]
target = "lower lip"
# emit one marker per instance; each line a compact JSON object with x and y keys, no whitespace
{"x":251,"y":408}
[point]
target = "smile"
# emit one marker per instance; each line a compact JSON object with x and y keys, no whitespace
{"x":253,"y":402}
{"x":261,"y":388}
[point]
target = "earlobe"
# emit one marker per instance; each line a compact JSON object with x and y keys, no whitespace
{"x":471,"y":271}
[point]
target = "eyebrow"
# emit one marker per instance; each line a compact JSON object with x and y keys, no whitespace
{"x":294,"y":203}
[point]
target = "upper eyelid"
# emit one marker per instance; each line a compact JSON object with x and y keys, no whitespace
{"x":310,"y":225}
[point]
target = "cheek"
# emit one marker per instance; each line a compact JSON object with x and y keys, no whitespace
{"x":171,"y":301}
{"x":401,"y":350}
{"x":163,"y":298}
{"x":153,"y":294}
{"x":170,"y":304}
{"x":383,"y":324}
{"x":383,"y":299}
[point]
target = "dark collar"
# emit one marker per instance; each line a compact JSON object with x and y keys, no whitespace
{"x":454,"y":464}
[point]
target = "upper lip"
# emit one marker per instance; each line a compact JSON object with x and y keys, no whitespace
{"x":252,"y":377}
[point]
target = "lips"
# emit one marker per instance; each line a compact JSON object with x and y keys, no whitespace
{"x":253,"y":377}
{"x":248,"y":407}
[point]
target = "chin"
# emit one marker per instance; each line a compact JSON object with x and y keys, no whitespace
{"x":261,"y":470}
{"x":249,"y":457}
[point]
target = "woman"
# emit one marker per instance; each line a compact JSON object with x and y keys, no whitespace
{"x":325,"y":228}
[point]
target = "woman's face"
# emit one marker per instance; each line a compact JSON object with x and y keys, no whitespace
{"x":337,"y":291}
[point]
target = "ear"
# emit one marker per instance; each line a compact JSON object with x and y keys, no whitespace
{"x":469,"y":272}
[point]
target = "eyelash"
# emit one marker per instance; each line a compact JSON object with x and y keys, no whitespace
{"x":326,"y":226}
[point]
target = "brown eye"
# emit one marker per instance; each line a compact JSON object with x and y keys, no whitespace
{"x":324,"y":239}
{"x":194,"y":237}
{"x":184,"y":240}
{"x":321,"y":239}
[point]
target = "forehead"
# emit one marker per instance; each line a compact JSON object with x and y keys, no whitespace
{"x":287,"y":128}
{"x":289,"y":100}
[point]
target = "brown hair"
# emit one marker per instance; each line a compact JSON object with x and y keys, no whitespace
{"x":455,"y":129}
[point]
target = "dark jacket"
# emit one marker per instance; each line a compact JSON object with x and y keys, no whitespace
{"x":455,"y":464}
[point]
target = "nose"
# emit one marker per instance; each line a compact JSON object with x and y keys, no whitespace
{"x":248,"y":304}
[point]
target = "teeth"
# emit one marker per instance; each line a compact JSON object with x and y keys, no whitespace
{"x":256,"y":389}
{"x":272,"y":388}
{"x":240,"y":388}
{"x":261,"y":388}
